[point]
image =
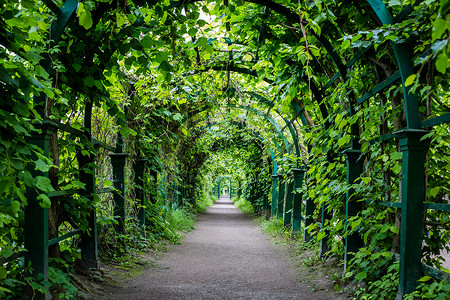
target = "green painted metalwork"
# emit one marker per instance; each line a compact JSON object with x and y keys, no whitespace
{"x":324,"y":245}
{"x":280,"y":200}
{"x":118,"y":163}
{"x":413,"y":196}
{"x":36,"y":217}
{"x":299,"y":174}
{"x":89,"y":242}
{"x":61,"y":193}
{"x":139,"y":190}
{"x":219,"y":185}
{"x":386,"y":83}
{"x":64,"y":14}
{"x":352,"y":206}
{"x":288,"y":124}
{"x":275,"y":179}
{"x":266,"y":207}
{"x":436,"y":206}
{"x":331,"y":81}
{"x":272,"y":121}
{"x":435,"y":121}
{"x":405,"y":65}
{"x":63,"y":237}
{"x":288,"y":198}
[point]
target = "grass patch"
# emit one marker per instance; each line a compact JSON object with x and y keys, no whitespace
{"x":319,"y":273}
{"x":245,"y":206}
{"x":202,"y":205}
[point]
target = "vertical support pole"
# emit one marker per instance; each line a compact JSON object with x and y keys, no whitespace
{"x":266,"y":208}
{"x":118,"y":164}
{"x":139,"y":171}
{"x":413,"y":196}
{"x":89,"y":243}
{"x":218,"y":188}
{"x":299,"y":174}
{"x":231,"y":189}
{"x":288,"y":198}
{"x":352,"y":206}
{"x":36,"y":216}
{"x":324,"y":247}
{"x":309,"y":212}
{"x":154,"y":186}
{"x":281,"y":192}
{"x":274,"y":194}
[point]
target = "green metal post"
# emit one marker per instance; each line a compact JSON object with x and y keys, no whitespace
{"x":297,"y":201}
{"x":413,"y":196}
{"x":352,"y":206}
{"x":118,"y":164}
{"x":324,"y":247}
{"x":288,"y":198}
{"x":266,"y":207}
{"x":89,"y":243}
{"x":153,"y":188}
{"x":281,"y":192}
{"x":309,"y":216}
{"x":36,"y":216}
{"x":274,"y":194}
{"x":139,"y":190}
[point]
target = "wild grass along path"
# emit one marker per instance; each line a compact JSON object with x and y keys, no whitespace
{"x":225,"y":257}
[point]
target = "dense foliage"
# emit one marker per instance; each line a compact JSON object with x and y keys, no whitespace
{"x":215,"y":89}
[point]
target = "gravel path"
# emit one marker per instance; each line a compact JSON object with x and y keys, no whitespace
{"x":225,"y":257}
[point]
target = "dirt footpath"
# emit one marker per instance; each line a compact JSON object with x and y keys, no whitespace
{"x":225,"y":257}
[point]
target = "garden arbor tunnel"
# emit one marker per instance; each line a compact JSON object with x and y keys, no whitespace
{"x":116,"y":89}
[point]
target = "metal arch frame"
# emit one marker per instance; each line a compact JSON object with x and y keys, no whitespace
{"x":219,"y":183}
{"x":257,"y":135}
{"x":288,"y":124}
{"x":405,"y":65}
{"x":314,"y":89}
{"x":271,"y":121}
{"x":413,"y":175}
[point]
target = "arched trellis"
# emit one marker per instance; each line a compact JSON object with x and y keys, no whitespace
{"x":270,"y":120}
{"x":412,"y":123}
{"x":266,"y":206}
{"x":253,"y":132}
{"x":219,"y":182}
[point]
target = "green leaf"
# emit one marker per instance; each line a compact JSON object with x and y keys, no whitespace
{"x":147,"y":41}
{"x":445,"y":6}
{"x":45,"y":201}
{"x":15,"y":207}
{"x":410,"y":79}
{"x":78,"y":184}
{"x":344,"y":140}
{"x":184,"y":131}
{"x":84,"y":17}
{"x":439,"y":28}
{"x":120,"y":20}
{"x":77,"y":67}
{"x":441,"y":63}
{"x":425,"y":278}
{"x":438,"y":45}
{"x":361,"y":276}
{"x":165,"y":66}
{"x":44,"y":184}
{"x":396,"y":169}
{"x":202,"y":42}
{"x":126,"y":131}
{"x":3,"y":272}
{"x":89,"y":81}
{"x":434,"y":191}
